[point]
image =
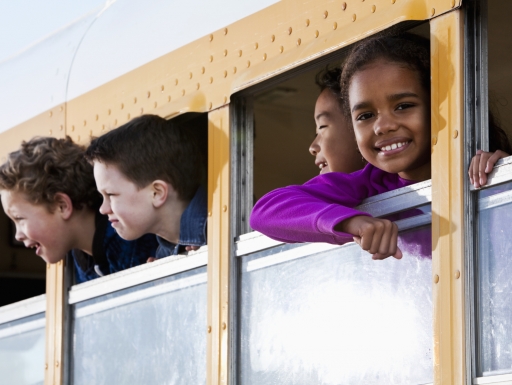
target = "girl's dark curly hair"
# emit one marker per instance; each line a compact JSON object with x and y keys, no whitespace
{"x":45,"y":166}
{"x":405,"y":49}
{"x":330,"y":79}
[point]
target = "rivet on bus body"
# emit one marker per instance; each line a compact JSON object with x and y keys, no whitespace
{"x":209,"y":329}
{"x":97,"y":117}
{"x":183,"y":92}
{"x":290,"y":30}
{"x":307,"y":23}
{"x":248,"y":63}
{"x":78,"y":138}
{"x":46,"y":365}
{"x":149,"y":93}
{"x":203,"y":70}
{"x":102,"y":127}
{"x":61,"y":108}
{"x":334,"y":26}
{"x":211,"y":80}
{"x":225,"y":31}
{"x":72,"y":128}
{"x":51,"y":132}
{"x":128,"y":117}
{"x":343,"y":6}
{"x":50,"y":114}
{"x":211,"y":58}
{"x":90,"y":133}
{"x":298,"y":42}
{"x":210,"y":37}
{"x":436,"y":278}
{"x":455,"y":134}
{"x":240,"y":53}
{"x":225,"y":99}
{"x":224,"y":208}
{"x":210,"y":106}
{"x":190,"y":75}
{"x":393,"y":1}
{"x":264,"y":56}
{"x":225,"y":52}
{"x":317,"y":33}
{"x":433,"y":12}
{"x":61,"y":127}
{"x":281,"y":49}
{"x":109,"y":111}
{"x":169,"y":98}
{"x":374,"y":8}
{"x":453,"y":3}
{"x":326,"y":14}
{"x":115,"y":122}
{"x":155,"y":105}
{"x":122,"y":105}
{"x":434,"y":140}
{"x":457,"y":274}
{"x":85,"y":123}
{"x":224,"y":326}
{"x":141,"y":111}
{"x":209,"y":214}
{"x":162,"y":88}
{"x":272,"y":38}
{"x":256,"y":45}
{"x":175,"y":82}
{"x":198,"y":86}
{"x":225,"y":73}
{"x":234,"y":70}
{"x":354,"y":17}
{"x":134,"y":100}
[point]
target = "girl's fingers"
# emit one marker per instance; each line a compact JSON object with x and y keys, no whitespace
{"x":378,"y":236}
{"x":481,"y":168}
{"x":473,"y":170}
{"x":388,"y":244}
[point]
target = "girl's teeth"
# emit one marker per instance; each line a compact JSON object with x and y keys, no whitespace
{"x":393,"y":146}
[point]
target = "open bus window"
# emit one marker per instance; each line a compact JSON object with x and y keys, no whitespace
{"x":22,"y":272}
{"x":494,"y":208}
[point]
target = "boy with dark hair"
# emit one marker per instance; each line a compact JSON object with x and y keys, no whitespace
{"x":47,"y":188}
{"x":149,"y":173}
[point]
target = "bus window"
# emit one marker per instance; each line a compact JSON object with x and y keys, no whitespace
{"x":316,"y":312}
{"x":493,"y":264}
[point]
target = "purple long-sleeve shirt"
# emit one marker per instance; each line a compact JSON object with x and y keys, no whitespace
{"x":309,"y":212}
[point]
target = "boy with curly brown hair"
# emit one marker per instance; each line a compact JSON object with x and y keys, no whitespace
{"x":47,"y":188}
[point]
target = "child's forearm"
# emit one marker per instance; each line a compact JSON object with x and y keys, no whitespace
{"x":291,"y":214}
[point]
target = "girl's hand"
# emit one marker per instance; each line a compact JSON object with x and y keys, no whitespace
{"x":482,"y":164}
{"x":377,"y":236}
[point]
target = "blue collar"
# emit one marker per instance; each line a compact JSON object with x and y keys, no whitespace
{"x":192,"y":226}
{"x":193,"y":220}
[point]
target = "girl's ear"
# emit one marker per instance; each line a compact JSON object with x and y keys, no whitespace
{"x":160,"y":191}
{"x":64,"y":205}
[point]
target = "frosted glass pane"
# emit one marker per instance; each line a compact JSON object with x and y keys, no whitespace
{"x":150,"y":334}
{"x":22,"y":344}
{"x":494,"y":279}
{"x":337,"y":317}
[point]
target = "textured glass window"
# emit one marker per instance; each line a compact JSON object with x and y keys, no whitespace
{"x":335,"y":316}
{"x":22,"y":349}
{"x":153,"y":333}
{"x":495,"y":279}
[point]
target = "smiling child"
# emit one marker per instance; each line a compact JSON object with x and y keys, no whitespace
{"x":47,"y":188}
{"x":334,"y":147}
{"x":386,"y":92}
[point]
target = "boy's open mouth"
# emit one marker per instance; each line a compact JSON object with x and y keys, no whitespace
{"x":34,"y":245}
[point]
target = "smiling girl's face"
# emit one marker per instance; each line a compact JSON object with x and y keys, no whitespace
{"x":390,"y":113}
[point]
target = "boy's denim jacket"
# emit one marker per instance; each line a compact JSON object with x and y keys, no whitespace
{"x":192,"y":227}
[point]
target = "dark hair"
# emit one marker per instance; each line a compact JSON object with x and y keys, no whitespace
{"x":330,"y":79}
{"x":408,"y":49}
{"x":148,"y":148}
{"x":45,"y":166}
{"x":498,"y":139}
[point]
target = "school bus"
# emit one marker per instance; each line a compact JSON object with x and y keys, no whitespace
{"x":246,"y":309}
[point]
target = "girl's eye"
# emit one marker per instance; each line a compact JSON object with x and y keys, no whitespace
{"x":322,"y":127}
{"x":404,"y":106}
{"x":364,"y":116}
